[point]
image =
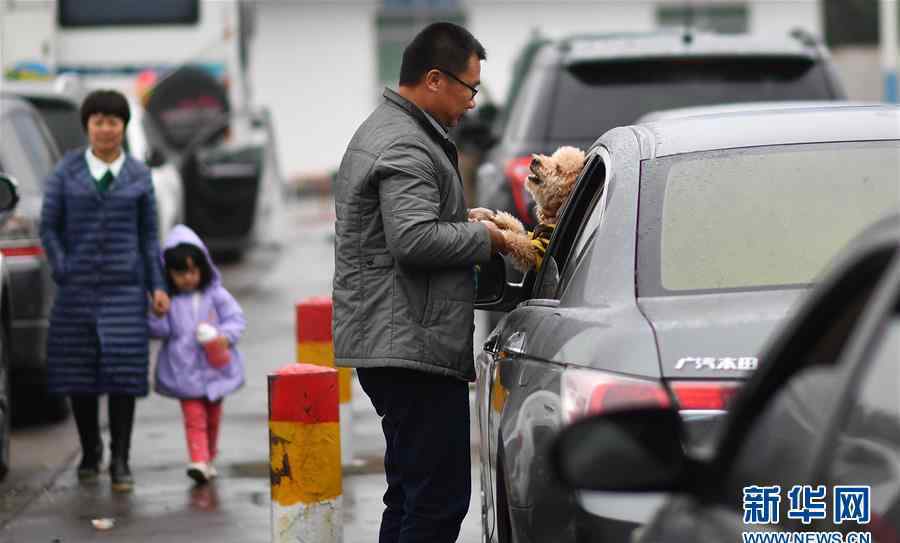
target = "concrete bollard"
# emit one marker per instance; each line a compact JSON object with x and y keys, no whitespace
{"x":315,"y":346}
{"x":304,"y":455}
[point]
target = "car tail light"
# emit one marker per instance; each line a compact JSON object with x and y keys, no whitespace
{"x":517,"y":171}
{"x":588,"y":392}
{"x":704,"y":395}
{"x":25,"y":250}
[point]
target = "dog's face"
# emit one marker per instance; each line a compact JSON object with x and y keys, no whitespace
{"x":553,"y":177}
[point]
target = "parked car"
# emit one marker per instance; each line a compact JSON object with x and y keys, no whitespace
{"x":574,"y":89}
{"x":9,"y":197}
{"x":167,"y":183}
{"x":685,"y":243}
{"x":233,"y":186}
{"x":822,"y":410}
{"x":28,"y":154}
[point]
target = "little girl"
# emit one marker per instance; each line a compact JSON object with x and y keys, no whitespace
{"x":183,"y":369}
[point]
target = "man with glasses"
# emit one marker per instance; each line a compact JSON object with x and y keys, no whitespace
{"x":404,"y":284}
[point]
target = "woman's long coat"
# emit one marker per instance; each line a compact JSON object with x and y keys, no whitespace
{"x":103,"y":250}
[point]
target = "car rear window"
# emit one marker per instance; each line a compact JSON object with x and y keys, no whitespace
{"x":593,"y":97}
{"x":758,"y":218}
{"x":25,"y":152}
{"x":64,"y":123}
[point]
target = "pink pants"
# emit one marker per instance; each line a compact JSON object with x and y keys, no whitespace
{"x":201,"y":425}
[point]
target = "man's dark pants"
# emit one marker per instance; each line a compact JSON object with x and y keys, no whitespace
{"x":427,"y":463}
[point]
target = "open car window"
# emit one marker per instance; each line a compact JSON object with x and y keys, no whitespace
{"x":573,"y":220}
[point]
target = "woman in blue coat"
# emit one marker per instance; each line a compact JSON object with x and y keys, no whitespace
{"x":98,"y":228}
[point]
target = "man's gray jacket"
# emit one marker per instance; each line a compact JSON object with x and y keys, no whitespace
{"x":404,"y":251}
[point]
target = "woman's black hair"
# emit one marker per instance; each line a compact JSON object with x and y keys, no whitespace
{"x":176,"y":259}
{"x":105,"y":102}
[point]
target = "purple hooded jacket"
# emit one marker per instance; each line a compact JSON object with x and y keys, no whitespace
{"x":181,"y":369}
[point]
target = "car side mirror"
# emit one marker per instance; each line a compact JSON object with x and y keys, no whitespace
{"x":632,"y":450}
{"x":9,"y":193}
{"x":490,"y":281}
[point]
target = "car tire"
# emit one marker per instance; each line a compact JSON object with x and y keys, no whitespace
{"x":5,"y":405}
{"x":502,"y":512}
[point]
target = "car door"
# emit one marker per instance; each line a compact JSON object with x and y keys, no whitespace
{"x":798,"y":419}
{"x":520,"y":394}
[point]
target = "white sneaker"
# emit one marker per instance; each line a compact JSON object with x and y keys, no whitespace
{"x":198,"y":471}
{"x":213,"y":472}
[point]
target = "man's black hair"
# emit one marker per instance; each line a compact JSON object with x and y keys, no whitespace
{"x":105,"y":102}
{"x":440,"y":45}
{"x":176,"y":258}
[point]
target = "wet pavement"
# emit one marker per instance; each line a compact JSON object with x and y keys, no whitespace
{"x":45,"y":503}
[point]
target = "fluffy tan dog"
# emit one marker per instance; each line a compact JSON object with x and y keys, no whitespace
{"x":550,"y":183}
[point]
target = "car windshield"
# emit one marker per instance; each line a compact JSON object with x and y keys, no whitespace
{"x":758,"y":218}
{"x":593,"y":97}
{"x":65,"y":125}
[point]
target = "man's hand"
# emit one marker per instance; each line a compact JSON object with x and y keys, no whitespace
{"x":498,"y":242}
{"x":480,"y":214}
{"x":160,"y":305}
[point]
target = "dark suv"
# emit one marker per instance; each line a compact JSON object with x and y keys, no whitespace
{"x":575,"y":89}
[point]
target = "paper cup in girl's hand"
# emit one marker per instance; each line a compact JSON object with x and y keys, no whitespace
{"x":217,"y":353}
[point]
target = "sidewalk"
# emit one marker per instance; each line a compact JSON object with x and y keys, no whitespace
{"x":167,"y":507}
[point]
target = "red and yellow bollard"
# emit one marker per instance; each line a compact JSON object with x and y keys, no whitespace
{"x":315,"y":346}
{"x":304,"y":454}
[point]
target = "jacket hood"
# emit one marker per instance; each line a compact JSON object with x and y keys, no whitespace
{"x":183,"y":234}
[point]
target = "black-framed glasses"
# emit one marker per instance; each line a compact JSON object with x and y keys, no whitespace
{"x":460,"y":81}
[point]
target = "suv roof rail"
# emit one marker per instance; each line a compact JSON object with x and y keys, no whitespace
{"x":567,"y":41}
{"x":804,"y":36}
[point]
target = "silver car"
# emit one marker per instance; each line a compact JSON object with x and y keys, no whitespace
{"x":684,"y":245}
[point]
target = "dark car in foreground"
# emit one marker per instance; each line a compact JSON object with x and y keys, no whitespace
{"x":577,"y":88}
{"x":822,"y":415}
{"x":685,"y":243}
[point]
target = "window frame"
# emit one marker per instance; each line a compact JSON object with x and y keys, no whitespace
{"x":571,"y":222}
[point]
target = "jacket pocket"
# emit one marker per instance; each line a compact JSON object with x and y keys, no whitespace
{"x":413,"y":294}
{"x":379,"y":261}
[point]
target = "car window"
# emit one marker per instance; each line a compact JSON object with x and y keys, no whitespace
{"x":867,"y":448}
{"x":588,"y":231}
{"x":525,"y":122}
{"x":571,"y":220}
{"x":64,"y":124}
{"x":26,"y":152}
{"x":594,"y":97}
{"x":761,"y":218}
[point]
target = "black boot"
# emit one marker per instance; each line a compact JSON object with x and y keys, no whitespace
{"x":120,"y":474}
{"x":84,"y":408}
{"x":121,"y":419}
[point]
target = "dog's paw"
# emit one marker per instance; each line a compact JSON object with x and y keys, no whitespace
{"x":505,"y":221}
